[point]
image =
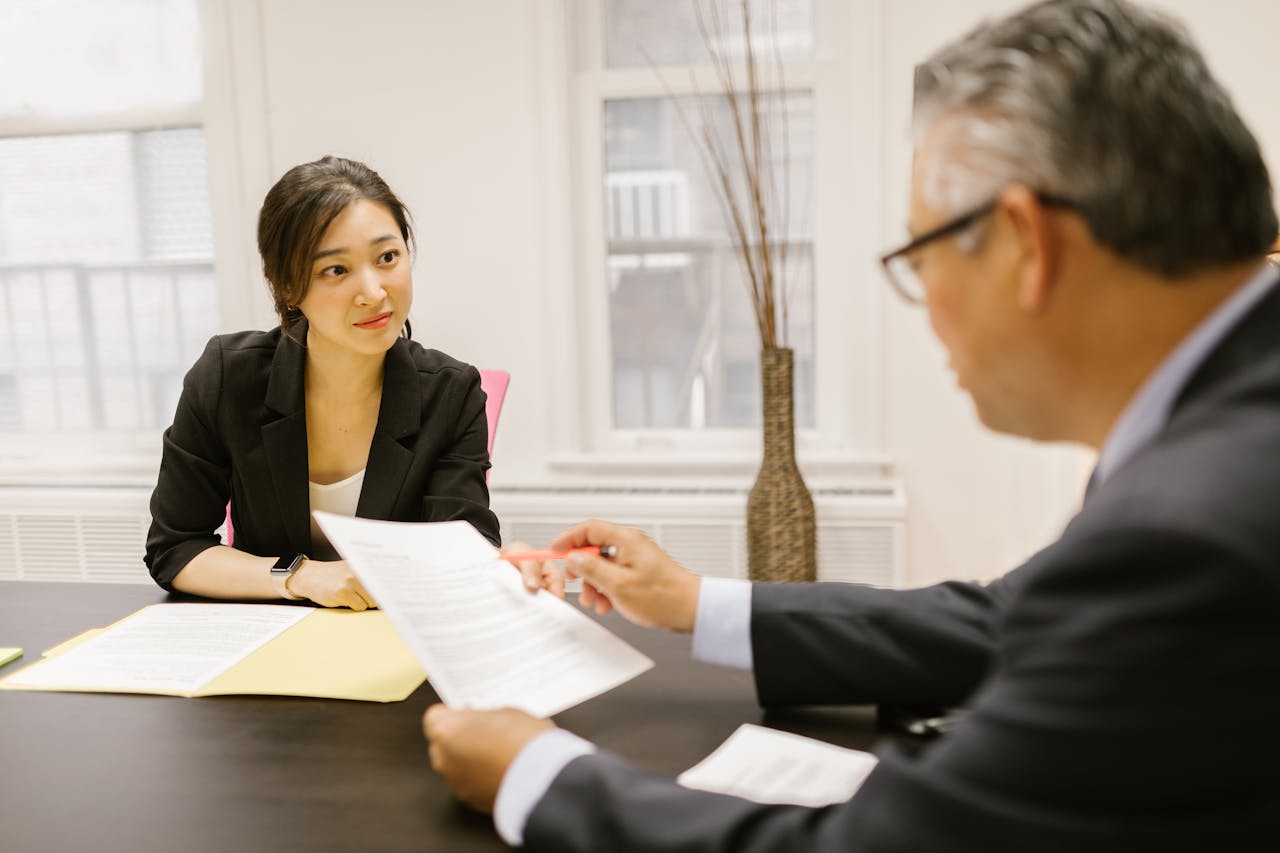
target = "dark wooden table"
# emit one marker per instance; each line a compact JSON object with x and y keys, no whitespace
{"x":247,"y":773}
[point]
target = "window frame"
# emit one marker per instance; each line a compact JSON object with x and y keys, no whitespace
{"x":132,"y":457}
{"x":843,"y":79}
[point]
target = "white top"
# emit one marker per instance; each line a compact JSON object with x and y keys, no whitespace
{"x":338,"y":498}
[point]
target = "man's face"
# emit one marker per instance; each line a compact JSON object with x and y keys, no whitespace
{"x":970,"y":293}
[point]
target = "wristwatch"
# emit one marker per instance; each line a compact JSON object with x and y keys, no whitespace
{"x":284,"y":569}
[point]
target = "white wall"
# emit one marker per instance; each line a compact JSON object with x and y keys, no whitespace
{"x":460,"y":104}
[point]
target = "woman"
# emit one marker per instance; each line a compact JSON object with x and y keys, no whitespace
{"x":334,"y":409}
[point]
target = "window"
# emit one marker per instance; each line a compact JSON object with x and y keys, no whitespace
{"x":675,"y":347}
{"x":684,"y":343}
{"x":106,"y":260}
{"x":665,"y":32}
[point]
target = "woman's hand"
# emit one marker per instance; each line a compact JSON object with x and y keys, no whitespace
{"x":330,"y":584}
{"x":536,"y":573}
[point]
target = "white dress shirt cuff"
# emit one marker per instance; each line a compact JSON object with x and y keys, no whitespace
{"x":722,"y":629}
{"x":529,"y":778}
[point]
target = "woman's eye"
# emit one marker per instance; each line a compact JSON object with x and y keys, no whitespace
{"x":389,"y":256}
{"x":334,"y":271}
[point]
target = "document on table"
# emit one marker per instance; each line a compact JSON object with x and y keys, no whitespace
{"x":223,"y":649}
{"x":163,"y":648}
{"x":483,"y":639}
{"x":770,"y":766}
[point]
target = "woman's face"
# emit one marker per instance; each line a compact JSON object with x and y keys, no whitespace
{"x":361,"y":287}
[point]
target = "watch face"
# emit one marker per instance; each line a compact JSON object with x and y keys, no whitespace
{"x":287,"y":563}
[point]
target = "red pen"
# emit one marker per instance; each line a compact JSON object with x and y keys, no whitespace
{"x":606,"y":551}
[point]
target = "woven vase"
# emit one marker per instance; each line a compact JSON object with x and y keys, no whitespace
{"x":781,"y":532}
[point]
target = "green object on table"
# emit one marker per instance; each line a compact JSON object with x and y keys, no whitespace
{"x":9,"y":653}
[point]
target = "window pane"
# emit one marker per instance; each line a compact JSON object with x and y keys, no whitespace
{"x":84,"y":57}
{"x":685,"y":348}
{"x":667,"y":31}
{"x":106,"y":277}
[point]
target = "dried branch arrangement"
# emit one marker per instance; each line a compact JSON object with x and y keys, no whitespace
{"x":753,"y":198}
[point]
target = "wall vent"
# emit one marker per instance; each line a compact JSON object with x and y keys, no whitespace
{"x":74,"y":534}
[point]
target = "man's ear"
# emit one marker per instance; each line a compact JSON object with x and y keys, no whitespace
{"x":1036,"y":246}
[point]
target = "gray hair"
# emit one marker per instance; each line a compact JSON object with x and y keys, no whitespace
{"x":1112,"y":107}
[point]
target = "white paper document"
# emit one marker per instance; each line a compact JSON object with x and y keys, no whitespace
{"x":163,"y":648}
{"x":770,"y":766}
{"x":482,"y":638}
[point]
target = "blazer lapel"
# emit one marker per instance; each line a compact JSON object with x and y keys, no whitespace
{"x":399,"y":418}
{"x":285,"y":438}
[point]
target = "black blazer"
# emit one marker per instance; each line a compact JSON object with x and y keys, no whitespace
{"x":240,"y":432}
{"x":1123,"y":684}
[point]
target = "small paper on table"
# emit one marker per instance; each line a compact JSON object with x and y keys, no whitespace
{"x":484,"y":641}
{"x":770,"y":766}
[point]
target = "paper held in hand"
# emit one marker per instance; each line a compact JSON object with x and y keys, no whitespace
{"x":482,"y":638}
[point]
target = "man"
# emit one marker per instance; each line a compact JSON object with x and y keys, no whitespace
{"x":1092,"y":219}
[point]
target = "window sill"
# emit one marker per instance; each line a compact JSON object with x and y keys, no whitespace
{"x":71,"y":460}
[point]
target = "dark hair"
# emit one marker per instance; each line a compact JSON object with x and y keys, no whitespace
{"x":299,"y":209}
{"x":1113,"y":107}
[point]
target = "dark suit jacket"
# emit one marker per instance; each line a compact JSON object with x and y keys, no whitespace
{"x":1123,"y":684}
{"x":240,"y":432}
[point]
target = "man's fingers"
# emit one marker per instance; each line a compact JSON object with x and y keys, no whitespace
{"x":531,"y":573}
{"x":530,"y":570}
{"x":433,"y":718}
{"x":574,"y":537}
{"x":590,"y":532}
{"x":592,"y":597}
{"x":553,"y":581}
{"x":601,"y":573}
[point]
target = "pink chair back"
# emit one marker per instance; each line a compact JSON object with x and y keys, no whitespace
{"x":494,"y":383}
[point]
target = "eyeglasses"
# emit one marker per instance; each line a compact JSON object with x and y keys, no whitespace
{"x":900,"y":265}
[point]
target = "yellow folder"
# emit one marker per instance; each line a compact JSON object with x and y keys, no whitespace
{"x":331,"y":654}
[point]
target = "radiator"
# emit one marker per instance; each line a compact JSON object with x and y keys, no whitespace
{"x":97,"y":534}
{"x":73,"y":534}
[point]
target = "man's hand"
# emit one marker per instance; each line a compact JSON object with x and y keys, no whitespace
{"x":536,"y":573}
{"x":330,"y":584}
{"x":641,"y":580}
{"x":473,"y":749}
